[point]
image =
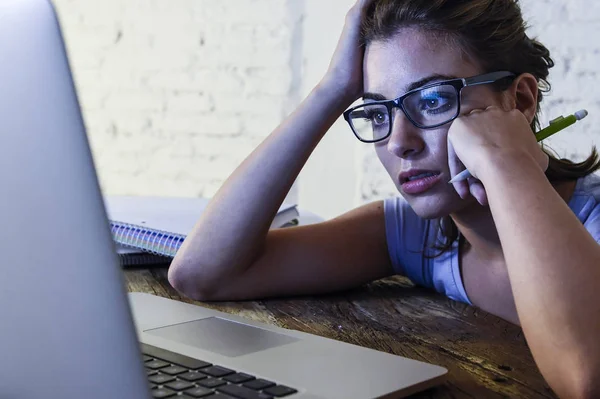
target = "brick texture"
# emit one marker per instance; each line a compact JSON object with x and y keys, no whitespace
{"x":176,"y":93}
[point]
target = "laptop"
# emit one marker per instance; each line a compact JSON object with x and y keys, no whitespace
{"x":69,"y":329}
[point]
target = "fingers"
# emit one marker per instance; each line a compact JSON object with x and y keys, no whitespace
{"x":360,"y":6}
{"x":477,"y":191}
{"x":363,"y":3}
{"x":544,"y":160}
{"x":470,"y":186}
{"x":479,"y":110}
{"x":456,"y":166}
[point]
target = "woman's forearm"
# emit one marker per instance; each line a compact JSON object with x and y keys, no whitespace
{"x":554,"y":269}
{"x":232,"y":229}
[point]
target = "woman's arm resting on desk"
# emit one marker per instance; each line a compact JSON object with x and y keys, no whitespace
{"x":335,"y":255}
{"x":231,"y":254}
{"x":554,"y":268}
{"x":552,"y":260}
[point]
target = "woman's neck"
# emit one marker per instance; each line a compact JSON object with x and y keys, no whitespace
{"x":477,"y":226}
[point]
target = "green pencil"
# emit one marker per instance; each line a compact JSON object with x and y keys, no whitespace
{"x":560,"y":123}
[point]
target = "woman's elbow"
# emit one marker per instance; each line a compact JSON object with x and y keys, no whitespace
{"x":583,"y":385}
{"x":589,"y":389}
{"x":187,"y":281}
{"x":583,"y":392}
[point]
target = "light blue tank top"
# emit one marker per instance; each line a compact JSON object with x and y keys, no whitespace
{"x":409,"y":239}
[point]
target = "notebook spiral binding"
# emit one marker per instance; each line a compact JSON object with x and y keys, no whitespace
{"x":149,"y":240}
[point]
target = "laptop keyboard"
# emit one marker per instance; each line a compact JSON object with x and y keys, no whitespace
{"x":172,"y":375}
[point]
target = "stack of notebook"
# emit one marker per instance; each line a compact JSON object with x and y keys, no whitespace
{"x":150,"y":230}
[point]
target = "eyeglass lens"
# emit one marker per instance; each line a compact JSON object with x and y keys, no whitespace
{"x":426,"y":108}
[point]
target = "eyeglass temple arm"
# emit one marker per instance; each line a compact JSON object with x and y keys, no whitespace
{"x":487,"y":78}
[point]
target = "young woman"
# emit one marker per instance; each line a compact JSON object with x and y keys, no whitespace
{"x":446,"y":85}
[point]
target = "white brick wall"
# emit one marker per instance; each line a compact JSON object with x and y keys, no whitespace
{"x":177,"y":92}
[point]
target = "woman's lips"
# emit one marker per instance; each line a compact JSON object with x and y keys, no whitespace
{"x":420,"y":185}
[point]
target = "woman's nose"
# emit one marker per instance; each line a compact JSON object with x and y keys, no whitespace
{"x":405,"y":140}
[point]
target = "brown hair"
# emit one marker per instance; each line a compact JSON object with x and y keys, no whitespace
{"x":493,"y":33}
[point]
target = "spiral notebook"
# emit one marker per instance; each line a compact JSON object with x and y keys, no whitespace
{"x":132,"y":257}
{"x":158,"y":225}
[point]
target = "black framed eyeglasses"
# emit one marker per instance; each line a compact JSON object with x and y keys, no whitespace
{"x":427,"y":107}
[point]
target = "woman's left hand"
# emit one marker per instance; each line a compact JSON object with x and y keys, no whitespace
{"x":483,"y":139}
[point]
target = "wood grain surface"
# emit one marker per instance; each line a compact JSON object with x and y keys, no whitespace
{"x":486,"y":356}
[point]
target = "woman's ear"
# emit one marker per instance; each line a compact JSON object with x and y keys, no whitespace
{"x":524,"y":94}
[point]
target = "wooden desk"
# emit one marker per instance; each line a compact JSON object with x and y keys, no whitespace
{"x":487,"y":357}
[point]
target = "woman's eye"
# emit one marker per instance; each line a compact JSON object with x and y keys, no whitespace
{"x":377,"y":118}
{"x":434,"y":104}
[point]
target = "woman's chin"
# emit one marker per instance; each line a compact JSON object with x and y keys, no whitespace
{"x":434,"y":207}
{"x":430,"y":213}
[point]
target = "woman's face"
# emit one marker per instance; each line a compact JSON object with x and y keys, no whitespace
{"x":391,"y":67}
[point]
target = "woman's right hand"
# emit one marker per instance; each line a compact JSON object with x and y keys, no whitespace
{"x":345,"y":69}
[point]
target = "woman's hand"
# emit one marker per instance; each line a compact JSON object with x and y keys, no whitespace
{"x":344,"y":74}
{"x":484,"y":138}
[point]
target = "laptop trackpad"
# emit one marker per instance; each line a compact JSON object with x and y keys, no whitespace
{"x":223,"y":337}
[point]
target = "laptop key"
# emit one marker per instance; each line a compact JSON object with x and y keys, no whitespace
{"x":220,"y":396}
{"x":242,"y":392}
{"x":147,"y":358}
{"x":211,"y":382}
{"x":151,"y":372}
{"x":238,"y":378}
{"x":217,"y":371}
{"x":173,"y":357}
{"x":160,"y":393}
{"x":156,"y":364}
{"x":179,"y":385}
{"x":280,"y":391}
{"x":259,"y":384}
{"x":160,"y":379}
{"x":192,"y":376}
{"x":173,"y":370}
{"x":199,"y":392}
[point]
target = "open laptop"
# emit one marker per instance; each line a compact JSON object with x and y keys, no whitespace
{"x":67,"y":327}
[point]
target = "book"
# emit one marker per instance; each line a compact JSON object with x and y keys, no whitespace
{"x":158,"y":225}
